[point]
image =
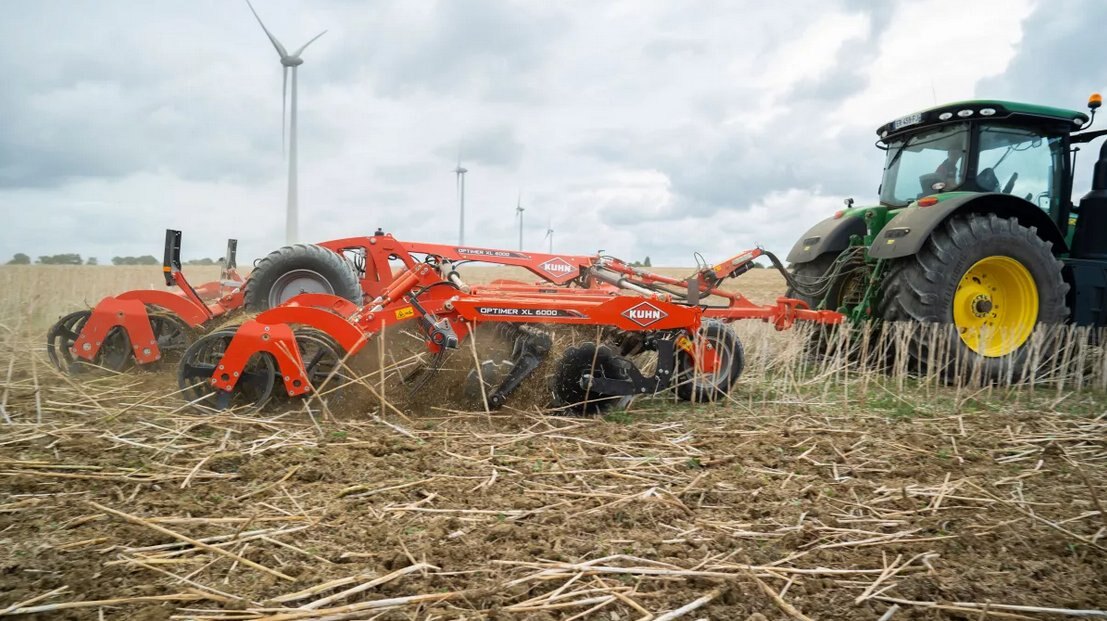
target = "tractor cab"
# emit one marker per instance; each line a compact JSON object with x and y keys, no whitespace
{"x":1000,"y":147}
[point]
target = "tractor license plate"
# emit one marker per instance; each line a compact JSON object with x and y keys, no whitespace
{"x":910,"y":119}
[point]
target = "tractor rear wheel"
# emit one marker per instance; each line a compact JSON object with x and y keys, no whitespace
{"x":991,"y":279}
{"x":300,"y":268}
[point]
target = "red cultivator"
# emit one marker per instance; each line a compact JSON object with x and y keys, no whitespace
{"x":145,"y":326}
{"x":303,"y":343}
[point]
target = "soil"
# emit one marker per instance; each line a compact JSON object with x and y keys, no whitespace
{"x":989,"y":504}
{"x":841,"y":493}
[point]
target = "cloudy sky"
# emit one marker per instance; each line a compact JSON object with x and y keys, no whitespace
{"x":637,"y":127}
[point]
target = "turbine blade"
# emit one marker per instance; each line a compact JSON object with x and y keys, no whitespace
{"x":277,"y":44}
{"x":296,"y":54}
{"x":284,"y":109}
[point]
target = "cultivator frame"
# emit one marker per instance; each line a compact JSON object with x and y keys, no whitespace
{"x":126,"y":323}
{"x":610,"y":294}
{"x":371,"y":256}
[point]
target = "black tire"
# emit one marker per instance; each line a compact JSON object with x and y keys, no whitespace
{"x":809,"y":274}
{"x":301,"y":268}
{"x":846,"y":288}
{"x":572,"y":397}
{"x":921,"y":288}
{"x":702,"y":387}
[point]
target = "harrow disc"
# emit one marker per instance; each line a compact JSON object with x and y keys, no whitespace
{"x":570,"y":384}
{"x":115,"y":353}
{"x":322,"y":358}
{"x":173,"y":335}
{"x":253,"y":390}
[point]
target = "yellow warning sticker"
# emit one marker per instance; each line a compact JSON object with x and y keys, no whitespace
{"x":405,"y":313}
{"x":890,"y":242}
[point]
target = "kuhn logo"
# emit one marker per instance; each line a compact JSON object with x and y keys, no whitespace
{"x":645,"y":314}
{"x":558,"y":267}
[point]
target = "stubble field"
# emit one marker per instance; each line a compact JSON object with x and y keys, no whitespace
{"x":818,"y":491}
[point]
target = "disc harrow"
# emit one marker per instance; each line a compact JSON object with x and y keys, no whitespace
{"x":696,"y":352}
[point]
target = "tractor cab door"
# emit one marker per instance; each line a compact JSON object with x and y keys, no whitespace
{"x":1024,"y":162}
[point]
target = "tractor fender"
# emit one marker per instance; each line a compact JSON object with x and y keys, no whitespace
{"x":830,"y":235}
{"x":905,"y":234}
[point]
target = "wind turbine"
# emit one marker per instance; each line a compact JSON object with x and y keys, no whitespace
{"x":288,"y":61}
{"x":460,"y":172}
{"x":519,"y":212}
{"x":549,"y":233}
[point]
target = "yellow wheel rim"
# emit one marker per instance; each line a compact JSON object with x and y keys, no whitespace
{"x":996,"y":306}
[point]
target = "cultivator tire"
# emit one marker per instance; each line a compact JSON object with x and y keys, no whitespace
{"x":253,"y":390}
{"x":115,"y":353}
{"x":702,"y":386}
{"x":980,"y":274}
{"x":301,"y":268}
{"x":572,"y":395}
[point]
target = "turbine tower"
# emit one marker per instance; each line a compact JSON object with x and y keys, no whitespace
{"x":549,"y":233}
{"x":460,"y":172}
{"x":288,"y":61}
{"x":519,"y":212}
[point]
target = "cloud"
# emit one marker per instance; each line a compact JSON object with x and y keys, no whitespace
{"x":486,"y":48}
{"x":494,"y":146}
{"x":1057,"y":62}
{"x":639,"y":128}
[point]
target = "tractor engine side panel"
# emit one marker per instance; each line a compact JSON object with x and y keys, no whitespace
{"x":830,"y":235}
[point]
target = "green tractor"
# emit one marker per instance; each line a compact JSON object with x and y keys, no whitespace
{"x":976,"y":229}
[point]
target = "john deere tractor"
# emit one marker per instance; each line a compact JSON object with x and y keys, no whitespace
{"x":976,"y":229}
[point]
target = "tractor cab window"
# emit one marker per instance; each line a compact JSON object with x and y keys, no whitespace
{"x":924,"y":163}
{"x":1020,"y":162}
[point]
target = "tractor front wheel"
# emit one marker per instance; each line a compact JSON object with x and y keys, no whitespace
{"x":991,"y":279}
{"x":831,"y":281}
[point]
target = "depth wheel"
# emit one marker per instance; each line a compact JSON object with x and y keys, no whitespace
{"x":253,"y":390}
{"x":992,"y":281}
{"x":576,"y":396}
{"x":722,"y":362}
{"x":115,"y":352}
{"x":301,"y":268}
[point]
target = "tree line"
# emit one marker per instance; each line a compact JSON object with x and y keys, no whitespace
{"x":70,"y":258}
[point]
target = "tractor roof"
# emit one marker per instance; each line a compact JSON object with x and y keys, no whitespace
{"x":984,"y":110}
